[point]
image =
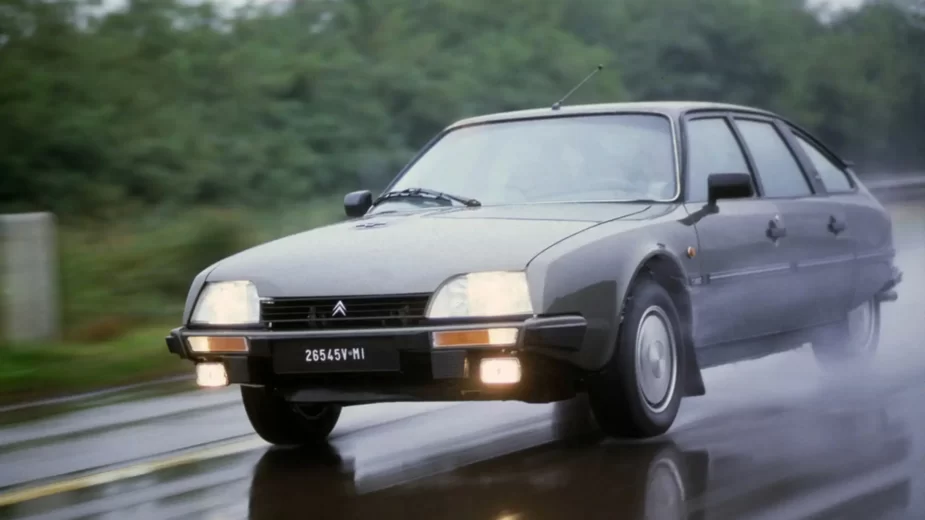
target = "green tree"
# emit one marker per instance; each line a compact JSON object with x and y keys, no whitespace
{"x":166,"y":105}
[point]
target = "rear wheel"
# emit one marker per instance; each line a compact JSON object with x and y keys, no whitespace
{"x":854,"y":340}
{"x":282,"y":423}
{"x":637,"y":394}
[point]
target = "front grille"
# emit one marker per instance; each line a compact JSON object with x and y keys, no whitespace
{"x":354,"y":312}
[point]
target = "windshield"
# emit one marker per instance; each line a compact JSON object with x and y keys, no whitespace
{"x":587,"y":158}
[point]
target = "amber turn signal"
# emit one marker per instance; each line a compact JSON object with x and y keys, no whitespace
{"x":501,"y":337}
{"x":217,"y":344}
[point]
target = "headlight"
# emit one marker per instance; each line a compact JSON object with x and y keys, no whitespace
{"x":227,"y":303}
{"x":482,"y":295}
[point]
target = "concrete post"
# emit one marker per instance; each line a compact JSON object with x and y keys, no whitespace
{"x":29,"y":277}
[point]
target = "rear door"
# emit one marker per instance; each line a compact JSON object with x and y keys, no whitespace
{"x":864,"y":226}
{"x":735,"y":294}
{"x":816,"y":244}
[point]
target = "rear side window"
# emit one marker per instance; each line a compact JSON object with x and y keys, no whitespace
{"x":712,"y":149}
{"x":778,"y":169}
{"x":833,"y":178}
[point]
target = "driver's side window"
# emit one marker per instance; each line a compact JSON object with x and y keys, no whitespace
{"x":712,"y":148}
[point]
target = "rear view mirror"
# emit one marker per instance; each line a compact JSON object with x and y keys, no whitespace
{"x":729,"y":186}
{"x":357,"y":203}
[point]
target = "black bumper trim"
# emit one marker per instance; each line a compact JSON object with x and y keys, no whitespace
{"x":449,"y":364}
{"x":556,"y":332}
{"x":887,"y":296}
{"x":540,"y":335}
{"x":887,"y":292}
{"x":346,"y":333}
{"x":895,"y":280}
{"x":244,"y":370}
{"x":561,"y":332}
{"x":175,"y":343}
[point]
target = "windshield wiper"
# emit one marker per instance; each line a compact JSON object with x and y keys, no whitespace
{"x":424,"y":193}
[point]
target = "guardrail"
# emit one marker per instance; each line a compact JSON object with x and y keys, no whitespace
{"x":910,"y":187}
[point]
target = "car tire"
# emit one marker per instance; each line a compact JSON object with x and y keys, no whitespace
{"x":853,"y":341}
{"x":638,"y":392}
{"x":279,"y":422}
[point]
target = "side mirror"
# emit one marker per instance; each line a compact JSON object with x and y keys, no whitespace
{"x":729,"y":186}
{"x":357,"y":203}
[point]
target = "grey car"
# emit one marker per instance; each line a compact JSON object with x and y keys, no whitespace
{"x":605,"y":251}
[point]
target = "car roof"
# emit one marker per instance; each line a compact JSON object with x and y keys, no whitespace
{"x":672,"y":109}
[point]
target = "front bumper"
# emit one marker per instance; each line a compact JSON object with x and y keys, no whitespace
{"x":543,"y":344}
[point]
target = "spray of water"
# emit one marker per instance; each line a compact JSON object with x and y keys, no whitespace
{"x":796,"y":378}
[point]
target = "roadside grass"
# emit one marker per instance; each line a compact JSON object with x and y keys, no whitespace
{"x":39,"y":370}
{"x":121,"y":277}
{"x":123,"y":287}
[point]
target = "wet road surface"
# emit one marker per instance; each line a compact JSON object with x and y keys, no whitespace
{"x":774,"y":438}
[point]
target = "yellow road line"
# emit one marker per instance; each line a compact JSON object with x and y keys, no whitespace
{"x":136,"y":470}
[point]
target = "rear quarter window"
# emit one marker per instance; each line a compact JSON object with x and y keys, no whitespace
{"x":833,"y":178}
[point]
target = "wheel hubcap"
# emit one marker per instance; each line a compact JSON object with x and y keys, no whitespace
{"x":861,"y":326}
{"x":656,"y":362}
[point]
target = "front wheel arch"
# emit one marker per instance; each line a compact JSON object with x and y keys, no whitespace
{"x":619,"y":393}
{"x":665,"y":269}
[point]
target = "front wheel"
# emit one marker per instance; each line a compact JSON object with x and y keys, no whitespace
{"x":282,"y":423}
{"x":852,"y":341}
{"x":637,"y":394}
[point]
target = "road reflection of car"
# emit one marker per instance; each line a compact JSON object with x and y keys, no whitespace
{"x":604,"y":250}
{"x":649,"y":481}
{"x":758,"y":471}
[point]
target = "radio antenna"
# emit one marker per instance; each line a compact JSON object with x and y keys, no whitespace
{"x":558,"y":104}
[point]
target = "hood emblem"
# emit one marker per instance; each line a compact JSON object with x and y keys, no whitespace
{"x":339,"y":308}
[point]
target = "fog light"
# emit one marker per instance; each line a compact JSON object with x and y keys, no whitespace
{"x":217,"y":344}
{"x":500,"y":371}
{"x":211,"y":375}
{"x":499,"y":337}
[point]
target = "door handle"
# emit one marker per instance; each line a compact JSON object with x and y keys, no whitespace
{"x":836,"y":226}
{"x":776,"y":231}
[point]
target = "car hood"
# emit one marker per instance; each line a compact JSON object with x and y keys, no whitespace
{"x":410,"y":252}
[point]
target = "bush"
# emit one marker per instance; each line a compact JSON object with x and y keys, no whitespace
{"x":122,"y":276}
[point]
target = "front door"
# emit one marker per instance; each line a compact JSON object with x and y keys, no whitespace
{"x":737,"y":293}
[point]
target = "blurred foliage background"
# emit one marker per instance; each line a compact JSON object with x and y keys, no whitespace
{"x":167,"y":135}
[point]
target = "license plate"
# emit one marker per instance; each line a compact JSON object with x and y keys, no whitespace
{"x":333,"y":355}
{"x":297,"y":358}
